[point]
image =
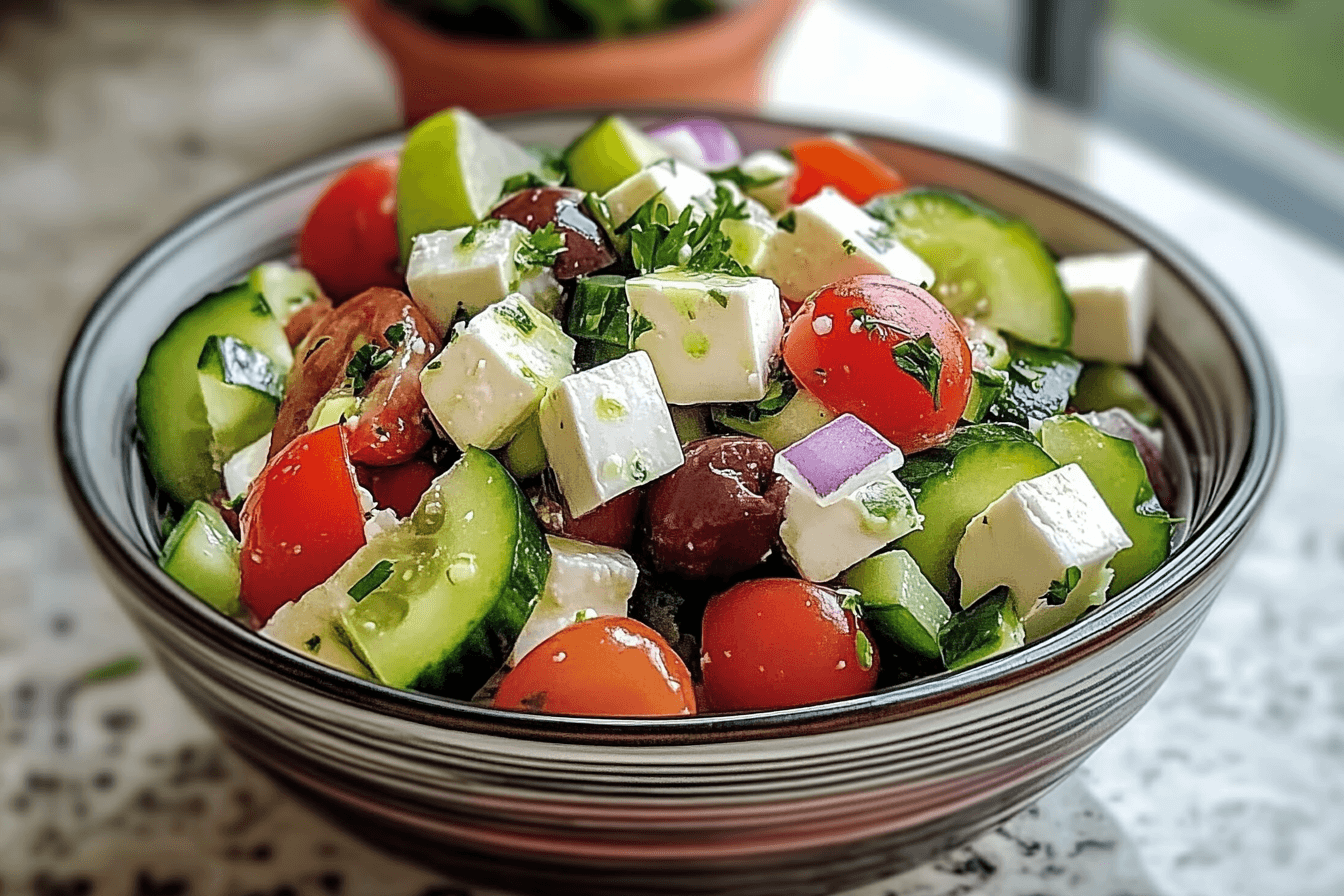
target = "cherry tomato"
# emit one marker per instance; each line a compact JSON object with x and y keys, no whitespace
{"x":607,"y":666}
{"x":777,"y":643}
{"x":845,"y":347}
{"x":399,"y":487}
{"x":349,"y":241}
{"x":856,"y":173}
{"x":301,"y":521}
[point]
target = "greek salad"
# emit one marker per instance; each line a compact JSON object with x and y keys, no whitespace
{"x":645,"y":426}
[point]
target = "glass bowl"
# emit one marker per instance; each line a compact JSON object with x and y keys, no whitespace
{"x":806,"y":800}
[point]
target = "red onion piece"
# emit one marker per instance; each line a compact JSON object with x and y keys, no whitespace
{"x":701,"y":142}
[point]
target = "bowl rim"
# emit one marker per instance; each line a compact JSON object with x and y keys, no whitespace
{"x":1226,"y":522}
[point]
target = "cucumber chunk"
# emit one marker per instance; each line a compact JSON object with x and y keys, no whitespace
{"x":286,"y":289}
{"x":785,"y":415}
{"x":1040,"y":384}
{"x":1117,"y":471}
{"x":242,"y":389}
{"x":461,"y":576}
{"x":899,"y":602}
{"x":986,"y":629}
{"x":608,"y":153}
{"x":525,"y":455}
{"x":988,"y":266}
{"x":202,"y":555}
{"x":169,"y":405}
{"x":600,"y":311}
{"x":958,"y":480}
{"x":1105,"y":386}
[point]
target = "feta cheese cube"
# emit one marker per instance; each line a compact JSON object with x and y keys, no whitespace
{"x":1050,"y":534}
{"x":774,"y":175}
{"x":837,"y":459}
{"x":676,"y":187}
{"x":472,"y":267}
{"x":823,"y":540}
{"x":309,"y":626}
{"x":607,"y":430}
{"x":828,"y":238}
{"x":1112,"y":305}
{"x":494,"y":372}
{"x":712,"y":335}
{"x":583,"y":577}
{"x":243,"y":467}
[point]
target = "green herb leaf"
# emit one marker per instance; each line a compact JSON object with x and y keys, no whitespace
{"x":849,"y":247}
{"x":639,"y":325}
{"x":789,"y":221}
{"x":779,"y":391}
{"x":372,"y":581}
{"x":695,"y":241}
{"x":873,"y":326}
{"x":719,"y":296}
{"x":469,"y":238}
{"x":118,"y":668}
{"x":395,"y":334}
{"x":313,"y":643}
{"x":540,"y":249}
{"x":517,"y":317}
{"x":745,"y":181}
{"x":920,"y":358}
{"x":864,"y":648}
{"x":364,"y":363}
{"x":1059,"y":590}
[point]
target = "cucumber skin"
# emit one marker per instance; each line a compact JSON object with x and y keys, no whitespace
{"x":985,"y":629}
{"x":1114,"y":466}
{"x":979,"y":475}
{"x":201,"y":575}
{"x":884,"y":592}
{"x":1052,"y":325}
{"x":170,"y":409}
{"x":1103,"y":386}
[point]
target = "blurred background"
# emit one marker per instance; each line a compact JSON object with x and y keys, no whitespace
{"x":1222,"y":121}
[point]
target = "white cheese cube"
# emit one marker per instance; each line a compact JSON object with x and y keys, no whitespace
{"x":309,"y":626}
{"x":823,"y":540}
{"x":472,"y":267}
{"x":607,"y":430}
{"x":832,"y":238}
{"x":712,"y":335}
{"x":245,"y":465}
{"x":774,"y":175}
{"x":676,"y":186}
{"x":1112,"y":305}
{"x":494,"y":372}
{"x":1032,"y":538}
{"x":584,"y":578}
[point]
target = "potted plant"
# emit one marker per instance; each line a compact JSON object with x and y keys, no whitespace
{"x":508,"y":55}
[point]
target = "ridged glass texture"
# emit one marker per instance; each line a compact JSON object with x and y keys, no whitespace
{"x":788,"y":802}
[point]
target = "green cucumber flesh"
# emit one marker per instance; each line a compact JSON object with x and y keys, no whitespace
{"x":607,"y":153}
{"x":989,"y":267}
{"x":465,"y":570}
{"x":899,"y":603}
{"x":987,"y":384}
{"x":525,"y":455}
{"x":170,"y":407}
{"x":286,"y":289}
{"x":1115,"y":468}
{"x":986,"y":629}
{"x":242,"y":389}
{"x":1104,"y":386}
{"x":600,"y":311}
{"x":201,"y":554}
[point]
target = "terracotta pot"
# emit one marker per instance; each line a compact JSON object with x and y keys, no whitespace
{"x":717,"y":62}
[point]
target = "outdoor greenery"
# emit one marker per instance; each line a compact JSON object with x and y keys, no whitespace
{"x":555,"y":19}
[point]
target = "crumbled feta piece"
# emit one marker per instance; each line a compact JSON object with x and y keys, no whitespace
{"x":309,"y":626}
{"x":675,"y":186}
{"x":584,"y":577}
{"x":837,"y":459}
{"x":494,"y":372}
{"x":829,"y":238}
{"x":245,"y":465}
{"x":775,"y":174}
{"x":712,"y":335}
{"x":607,"y":430}
{"x":1112,"y":305}
{"x":1048,"y":539}
{"x":823,"y":540}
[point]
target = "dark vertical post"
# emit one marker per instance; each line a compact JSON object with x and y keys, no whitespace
{"x":1058,"y":49}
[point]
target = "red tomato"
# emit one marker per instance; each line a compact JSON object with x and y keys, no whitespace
{"x":856,"y":173}
{"x":777,"y":643}
{"x":349,"y":241}
{"x":301,"y":521}
{"x":608,"y":666}
{"x":398,"y":487}
{"x":843,"y":347}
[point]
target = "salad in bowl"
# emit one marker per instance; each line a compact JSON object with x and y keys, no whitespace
{"x":642,"y":426}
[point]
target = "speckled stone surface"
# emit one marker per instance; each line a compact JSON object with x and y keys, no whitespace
{"x":117,"y":117}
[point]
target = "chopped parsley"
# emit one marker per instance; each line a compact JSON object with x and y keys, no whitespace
{"x":871,"y":324}
{"x":372,"y":581}
{"x":864,"y":648}
{"x":540,"y":249}
{"x":313,"y":643}
{"x":736,"y":175}
{"x":694,"y":242}
{"x":789,"y":221}
{"x":849,"y":247}
{"x":920,"y":358}
{"x":1059,"y":590}
{"x":719,"y":296}
{"x":395,"y":334}
{"x":469,"y":238}
{"x":365,"y":362}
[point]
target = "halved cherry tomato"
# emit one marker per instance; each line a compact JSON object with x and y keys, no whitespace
{"x":399,"y":487}
{"x":777,"y":643}
{"x":608,"y":666}
{"x":856,"y":173}
{"x":845,"y":347}
{"x":349,"y":241}
{"x":301,"y":521}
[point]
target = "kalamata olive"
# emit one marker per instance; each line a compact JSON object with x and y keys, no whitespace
{"x":718,"y":514}
{"x":586,"y":246}
{"x":611,"y":524}
{"x":388,"y":423}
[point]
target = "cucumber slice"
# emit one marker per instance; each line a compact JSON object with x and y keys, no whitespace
{"x":989,"y":267}
{"x":1115,"y":468}
{"x":525,"y":455}
{"x":1040,"y":384}
{"x":986,"y":629}
{"x":954,"y":482}
{"x":286,"y":289}
{"x":1105,"y":386}
{"x":242,"y":389}
{"x":608,"y":153}
{"x":801,"y":416}
{"x":169,"y":405}
{"x":202,"y":555}
{"x":453,"y":168}
{"x":441,"y":598}
{"x":899,"y":602}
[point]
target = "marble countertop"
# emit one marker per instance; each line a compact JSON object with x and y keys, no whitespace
{"x":119,"y":116}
